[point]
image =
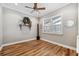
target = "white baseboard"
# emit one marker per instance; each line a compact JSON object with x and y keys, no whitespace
{"x":60,"y":44}
{"x":17,"y":42}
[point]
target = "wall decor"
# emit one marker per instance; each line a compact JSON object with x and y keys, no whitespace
{"x":70,"y":23}
{"x":26,"y":22}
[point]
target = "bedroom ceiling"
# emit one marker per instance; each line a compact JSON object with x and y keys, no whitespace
{"x":50,"y":7}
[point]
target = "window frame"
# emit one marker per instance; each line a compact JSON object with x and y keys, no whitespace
{"x":50,"y":18}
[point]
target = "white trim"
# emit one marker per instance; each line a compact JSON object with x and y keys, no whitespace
{"x":60,"y":44}
{"x":17,"y":42}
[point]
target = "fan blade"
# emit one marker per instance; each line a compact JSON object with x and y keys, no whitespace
{"x":28,"y":7}
{"x":40,"y":8}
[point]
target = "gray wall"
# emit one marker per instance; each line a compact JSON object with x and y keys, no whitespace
{"x":1,"y":33}
{"x":11,"y":31}
{"x":68,"y":38}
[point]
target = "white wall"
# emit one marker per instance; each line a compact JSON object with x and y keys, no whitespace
{"x":11,"y":30}
{"x":69,"y":36}
{"x":1,"y":33}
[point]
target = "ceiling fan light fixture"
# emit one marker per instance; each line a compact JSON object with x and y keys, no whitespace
{"x":16,"y":4}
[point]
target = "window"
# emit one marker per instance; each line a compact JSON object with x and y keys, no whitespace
{"x":53,"y":25}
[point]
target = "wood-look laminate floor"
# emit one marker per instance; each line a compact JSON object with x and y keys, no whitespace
{"x":36,"y":48}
